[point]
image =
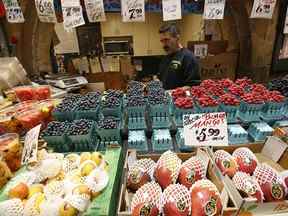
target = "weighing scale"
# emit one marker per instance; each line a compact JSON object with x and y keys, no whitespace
{"x":66,"y":81}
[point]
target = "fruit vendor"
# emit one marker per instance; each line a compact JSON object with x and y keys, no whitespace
{"x":179,"y":68}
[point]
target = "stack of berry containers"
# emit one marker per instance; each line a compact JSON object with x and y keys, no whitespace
{"x":88,"y":106}
{"x":161,"y":140}
{"x":183,"y":105}
{"x":158,"y":102}
{"x":65,"y":110}
{"x":137,"y":140}
{"x":207,"y":104}
{"x":56,"y":137}
{"x":272,"y":110}
{"x":109,"y":129}
{"x":237,"y":134}
{"x":259,"y":131}
{"x":251,"y":107}
{"x":230,"y":105}
{"x":26,"y":93}
{"x":111,"y":103}
{"x":81,"y":135}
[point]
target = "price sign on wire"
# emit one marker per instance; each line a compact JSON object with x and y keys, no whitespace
{"x":207,"y":129}
{"x":171,"y":10}
{"x":46,"y":11}
{"x":214,"y":9}
{"x":263,"y":9}
{"x":13,"y":11}
{"x":30,"y":149}
{"x":133,"y":11}
{"x":95,"y":10}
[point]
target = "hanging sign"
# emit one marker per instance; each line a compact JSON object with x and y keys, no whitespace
{"x":286,"y":23}
{"x":207,"y":129}
{"x":263,"y":9}
{"x":214,"y":9}
{"x":13,"y":11}
{"x":72,"y":14}
{"x":30,"y":148}
{"x":171,"y":10}
{"x":201,"y":50}
{"x":46,"y":11}
{"x":133,"y":11}
{"x":95,"y":10}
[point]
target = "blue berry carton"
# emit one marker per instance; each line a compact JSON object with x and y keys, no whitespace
{"x":108,"y":135}
{"x":161,"y":140}
{"x":64,"y":116}
{"x":237,"y":134}
{"x":91,"y":114}
{"x":137,"y":140}
{"x":102,"y":145}
{"x":231,"y":112}
{"x":115,"y":111}
{"x":259,"y":131}
{"x":211,"y":109}
{"x":272,"y":111}
{"x":250,"y":112}
{"x":158,"y":110}
{"x":159,"y":122}
{"x":283,"y":123}
{"x":138,"y":123}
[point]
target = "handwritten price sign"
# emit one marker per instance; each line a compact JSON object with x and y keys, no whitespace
{"x":171,"y":10}
{"x":133,"y":11}
{"x":13,"y":11}
{"x":214,"y":9}
{"x":45,"y":10}
{"x":208,"y":129}
{"x":95,"y":10}
{"x":263,"y":9}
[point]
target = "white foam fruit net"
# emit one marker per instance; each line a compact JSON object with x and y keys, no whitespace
{"x":178,"y":194}
{"x":196,"y":164}
{"x":12,"y":207}
{"x":247,"y":183}
{"x":146,"y":165}
{"x":97,"y":180}
{"x":148,"y":193}
{"x":71,"y":162}
{"x":55,"y":188}
{"x":205,"y":183}
{"x":244,"y":152}
{"x":222,"y":155}
{"x":30,"y":208}
{"x":171,"y":161}
{"x":51,"y":206}
{"x":49,"y":168}
{"x":78,"y":201}
{"x":264,"y":173}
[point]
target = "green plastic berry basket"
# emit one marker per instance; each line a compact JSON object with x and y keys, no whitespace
{"x":231,"y":112}
{"x":108,"y":135}
{"x":250,"y":112}
{"x":87,"y":114}
{"x":139,"y":145}
{"x":137,"y":123}
{"x":64,"y":116}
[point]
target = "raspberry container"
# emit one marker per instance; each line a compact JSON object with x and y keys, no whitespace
{"x":250,"y":112}
{"x":137,"y":140}
{"x":231,"y":112}
{"x":209,"y":109}
{"x":161,"y":140}
{"x":42,"y":92}
{"x":260,"y":131}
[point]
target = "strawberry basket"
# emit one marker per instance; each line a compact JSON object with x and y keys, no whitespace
{"x":250,"y":112}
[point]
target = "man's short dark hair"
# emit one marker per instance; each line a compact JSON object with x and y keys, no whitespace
{"x":170,"y":28}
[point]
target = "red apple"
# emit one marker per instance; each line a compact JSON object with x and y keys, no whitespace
{"x":205,"y":199}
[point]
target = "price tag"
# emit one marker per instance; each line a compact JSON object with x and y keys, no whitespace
{"x":286,"y":23}
{"x":214,"y":9}
{"x":133,"y":11}
{"x":201,"y":50}
{"x":70,"y":3}
{"x":13,"y":11}
{"x":95,"y":10}
{"x":73,"y":17}
{"x":208,"y":129}
{"x":30,"y":149}
{"x":46,"y":11}
{"x":263,"y":9}
{"x":171,"y":10}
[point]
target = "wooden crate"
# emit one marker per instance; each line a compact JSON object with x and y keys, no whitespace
{"x":123,"y":209}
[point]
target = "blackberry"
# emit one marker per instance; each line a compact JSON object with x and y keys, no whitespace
{"x":55,"y":128}
{"x":80,"y":127}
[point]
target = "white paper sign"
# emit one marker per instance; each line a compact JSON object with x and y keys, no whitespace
{"x":274,"y":148}
{"x":214,"y":9}
{"x":30,"y":149}
{"x":171,"y":10}
{"x":95,"y":10}
{"x":133,"y":10}
{"x":201,"y":50}
{"x":13,"y":11}
{"x":286,"y":23}
{"x":207,"y":129}
{"x":70,"y":3}
{"x":46,"y":11}
{"x":263,"y":9}
{"x":73,"y":17}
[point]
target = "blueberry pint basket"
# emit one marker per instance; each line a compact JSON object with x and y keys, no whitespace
{"x":161,"y":140}
{"x":84,"y":142}
{"x":138,"y":123}
{"x":108,"y":135}
{"x":209,"y":109}
{"x":91,"y":114}
{"x":137,"y":140}
{"x":231,"y":112}
{"x":250,"y":112}
{"x":273,"y":111}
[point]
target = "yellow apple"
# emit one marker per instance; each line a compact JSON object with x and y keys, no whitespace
{"x":20,"y":191}
{"x":85,"y":156}
{"x":97,"y":157}
{"x":36,"y":188}
{"x":39,"y":199}
{"x":67,"y":210}
{"x":87,"y":168}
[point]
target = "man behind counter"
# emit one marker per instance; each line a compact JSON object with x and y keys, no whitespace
{"x":179,"y":68}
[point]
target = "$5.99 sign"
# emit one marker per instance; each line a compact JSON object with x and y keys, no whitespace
{"x":207,"y":129}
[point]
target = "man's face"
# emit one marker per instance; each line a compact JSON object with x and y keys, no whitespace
{"x":169,"y":43}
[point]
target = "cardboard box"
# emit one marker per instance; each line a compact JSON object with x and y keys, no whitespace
{"x":219,"y":66}
{"x":272,"y":151}
{"x":126,"y":197}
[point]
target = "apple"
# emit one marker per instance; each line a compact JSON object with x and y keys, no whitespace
{"x":87,"y":167}
{"x":20,"y":191}
{"x":97,"y":157}
{"x":84,"y":157}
